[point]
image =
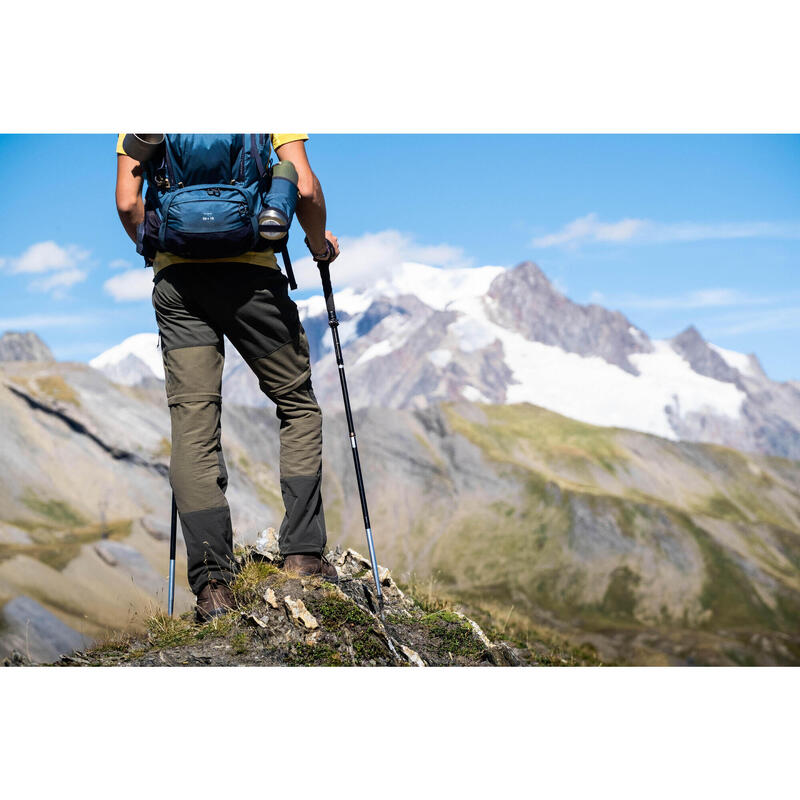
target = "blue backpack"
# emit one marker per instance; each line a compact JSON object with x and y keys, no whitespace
{"x":204,"y":195}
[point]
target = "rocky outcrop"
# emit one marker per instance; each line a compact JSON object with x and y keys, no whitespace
{"x":27,"y":346}
{"x":524,"y":300}
{"x":703,"y":360}
{"x":282,"y":619}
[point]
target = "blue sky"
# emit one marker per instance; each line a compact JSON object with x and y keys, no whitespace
{"x":671,"y":230}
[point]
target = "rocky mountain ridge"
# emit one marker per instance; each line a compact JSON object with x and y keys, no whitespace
{"x":498,"y":335}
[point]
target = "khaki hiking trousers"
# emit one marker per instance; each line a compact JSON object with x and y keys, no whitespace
{"x":196,"y":305}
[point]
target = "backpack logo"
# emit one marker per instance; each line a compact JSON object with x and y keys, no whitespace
{"x":208,"y":217}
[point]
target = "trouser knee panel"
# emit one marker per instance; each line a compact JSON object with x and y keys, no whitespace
{"x":197,"y":467}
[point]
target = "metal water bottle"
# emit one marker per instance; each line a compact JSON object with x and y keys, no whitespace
{"x":280,"y":202}
{"x":142,"y":146}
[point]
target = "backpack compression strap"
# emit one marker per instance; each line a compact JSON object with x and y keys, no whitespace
{"x":284,"y":251}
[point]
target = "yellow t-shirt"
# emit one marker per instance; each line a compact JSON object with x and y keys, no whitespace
{"x":265,"y":258}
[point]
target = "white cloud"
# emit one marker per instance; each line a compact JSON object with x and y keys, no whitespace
{"x":135,"y":284}
{"x":590,"y":229}
{"x":120,"y":263}
{"x":36,"y":321}
{"x":365,"y":259}
{"x":48,"y":256}
{"x":59,"y":281}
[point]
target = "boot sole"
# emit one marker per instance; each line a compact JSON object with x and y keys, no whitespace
{"x":207,"y":616}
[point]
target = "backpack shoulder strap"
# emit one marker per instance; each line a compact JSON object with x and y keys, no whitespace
{"x":255,"y":152}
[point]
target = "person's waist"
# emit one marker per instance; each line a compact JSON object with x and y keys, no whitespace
{"x":263,"y":258}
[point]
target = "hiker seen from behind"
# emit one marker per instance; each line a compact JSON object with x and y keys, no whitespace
{"x":208,"y":213}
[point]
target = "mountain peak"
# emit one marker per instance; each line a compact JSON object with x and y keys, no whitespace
{"x":703,"y":358}
{"x":530,"y":274}
{"x":23,"y":346}
{"x":526,"y":301}
{"x":689,"y":334}
{"x":136,"y":358}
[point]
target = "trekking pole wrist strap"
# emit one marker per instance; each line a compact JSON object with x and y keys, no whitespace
{"x":326,"y":256}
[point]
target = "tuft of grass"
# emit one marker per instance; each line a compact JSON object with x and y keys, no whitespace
{"x":248,"y":584}
{"x":427,"y":594}
{"x":216,"y":627}
{"x":117,"y":643}
{"x":164,"y":631}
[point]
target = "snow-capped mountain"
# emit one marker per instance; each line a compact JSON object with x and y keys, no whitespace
{"x":500,"y":335}
{"x":133,"y":360}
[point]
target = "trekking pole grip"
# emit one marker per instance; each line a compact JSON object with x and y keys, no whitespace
{"x":327,"y":289}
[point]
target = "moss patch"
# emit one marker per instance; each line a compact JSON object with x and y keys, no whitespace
{"x":55,"y":511}
{"x":313,"y":655}
{"x":453,"y":635}
{"x":335,"y":611}
{"x":240,"y":642}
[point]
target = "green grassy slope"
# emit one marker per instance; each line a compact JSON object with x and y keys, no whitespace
{"x":649,"y":550}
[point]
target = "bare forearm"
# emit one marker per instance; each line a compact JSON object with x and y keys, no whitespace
{"x":131,"y":217}
{"x":130,"y":205}
{"x":311,"y":215}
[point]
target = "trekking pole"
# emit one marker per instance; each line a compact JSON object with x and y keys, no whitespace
{"x":173,"y":535}
{"x":333,"y":322}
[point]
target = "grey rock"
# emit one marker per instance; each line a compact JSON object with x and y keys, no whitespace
{"x":299,"y":613}
{"x":27,"y":346}
{"x":691,"y":346}
{"x":36,"y":632}
{"x":267,"y":545}
{"x":105,"y":553}
{"x":159,"y":529}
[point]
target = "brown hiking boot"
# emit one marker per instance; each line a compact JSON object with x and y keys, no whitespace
{"x":310,"y":565}
{"x":215,"y":598}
